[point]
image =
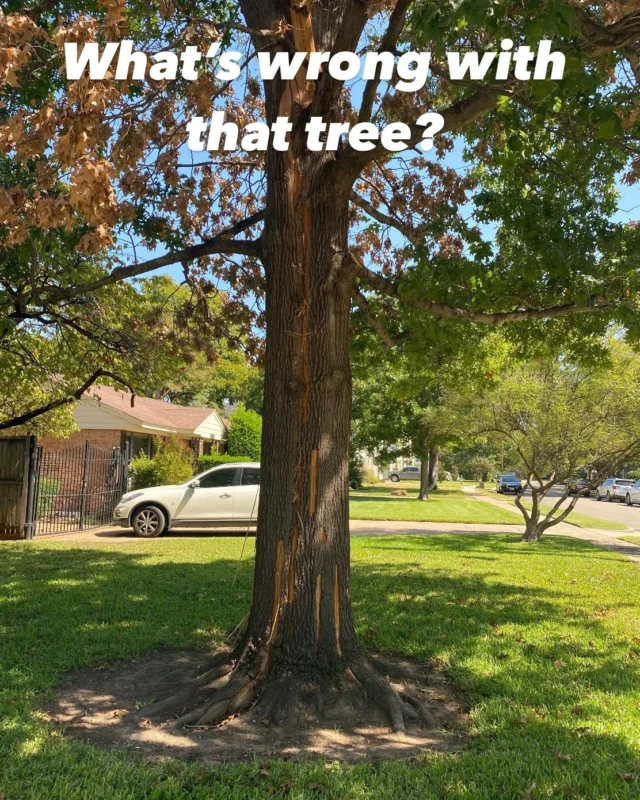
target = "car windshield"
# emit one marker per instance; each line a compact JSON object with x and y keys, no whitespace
{"x":509,"y":476}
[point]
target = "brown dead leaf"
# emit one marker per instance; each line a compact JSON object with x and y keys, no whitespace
{"x":625,"y":776}
{"x":563,"y":757}
{"x":559,"y":663}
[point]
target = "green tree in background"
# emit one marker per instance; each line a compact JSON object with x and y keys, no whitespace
{"x":560,"y":418}
{"x":245,"y":434}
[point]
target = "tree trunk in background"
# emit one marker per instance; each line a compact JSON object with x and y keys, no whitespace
{"x":434,"y":460}
{"x":424,"y":479}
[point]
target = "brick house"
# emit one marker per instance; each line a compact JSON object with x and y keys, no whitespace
{"x":107,"y":418}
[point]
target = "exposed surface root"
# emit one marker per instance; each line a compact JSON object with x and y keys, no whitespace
{"x":218,"y":710}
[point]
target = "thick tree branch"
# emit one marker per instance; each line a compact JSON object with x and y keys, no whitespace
{"x":28,"y":416}
{"x":387,"y":45}
{"x":456,"y":117}
{"x":385,"y":219}
{"x":389,"y":288}
{"x":222,"y":243}
{"x":389,"y":339}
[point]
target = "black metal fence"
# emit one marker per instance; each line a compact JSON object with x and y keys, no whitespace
{"x":77,"y":487}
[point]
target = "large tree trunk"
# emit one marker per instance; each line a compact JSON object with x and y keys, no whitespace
{"x":300,"y":641}
{"x":301,"y":609}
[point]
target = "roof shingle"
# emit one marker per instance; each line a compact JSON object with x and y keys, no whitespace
{"x":152,"y":412}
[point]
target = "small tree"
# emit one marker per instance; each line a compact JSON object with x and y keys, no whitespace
{"x":561,"y":418}
{"x":481,"y":467}
{"x":172,"y":463}
{"x":245,"y":434}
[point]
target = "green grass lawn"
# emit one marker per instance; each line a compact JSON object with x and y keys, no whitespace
{"x":543,"y":640}
{"x":632,"y":539}
{"x":575,"y":517}
{"x":448,"y":504}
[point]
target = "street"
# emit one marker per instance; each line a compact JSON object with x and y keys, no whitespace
{"x":614,"y":512}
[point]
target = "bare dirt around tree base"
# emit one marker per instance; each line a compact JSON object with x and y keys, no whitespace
{"x":106,"y":706}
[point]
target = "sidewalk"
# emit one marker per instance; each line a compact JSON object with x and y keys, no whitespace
{"x":362,"y":527}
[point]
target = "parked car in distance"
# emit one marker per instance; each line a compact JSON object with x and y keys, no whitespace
{"x":580,"y":487}
{"x":633,"y":494}
{"x":224,"y":496}
{"x":508,"y":482}
{"x":405,"y":474}
{"x":614,"y":489}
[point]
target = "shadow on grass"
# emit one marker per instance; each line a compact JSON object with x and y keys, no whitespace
{"x":533,"y":663}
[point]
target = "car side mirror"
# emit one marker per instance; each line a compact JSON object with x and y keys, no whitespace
{"x":194,"y":484}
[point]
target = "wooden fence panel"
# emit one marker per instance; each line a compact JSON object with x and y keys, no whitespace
{"x":14,"y":486}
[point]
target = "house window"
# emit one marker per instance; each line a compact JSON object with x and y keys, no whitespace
{"x":206,"y":449}
{"x":137,"y":444}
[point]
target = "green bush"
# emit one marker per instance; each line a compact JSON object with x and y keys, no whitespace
{"x":207,"y":462}
{"x":245,"y":434}
{"x":633,"y":474}
{"x":49,"y":488}
{"x":370,"y":476}
{"x":171,"y":463}
{"x":355,"y":468}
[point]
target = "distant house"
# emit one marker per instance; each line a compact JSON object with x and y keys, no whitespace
{"x":107,"y":418}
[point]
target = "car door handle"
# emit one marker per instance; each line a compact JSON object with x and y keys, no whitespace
{"x":225,"y":496}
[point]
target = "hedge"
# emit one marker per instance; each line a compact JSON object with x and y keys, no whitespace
{"x":206,"y":462}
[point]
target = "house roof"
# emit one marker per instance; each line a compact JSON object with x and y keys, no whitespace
{"x":151,"y":412}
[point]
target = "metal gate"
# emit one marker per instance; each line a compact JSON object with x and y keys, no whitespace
{"x":78,"y":487}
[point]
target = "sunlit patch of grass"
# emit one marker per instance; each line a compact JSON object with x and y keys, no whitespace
{"x":447,"y":504}
{"x":542,"y":639}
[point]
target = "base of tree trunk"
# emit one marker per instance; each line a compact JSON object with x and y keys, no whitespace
{"x":531,"y":536}
{"x":220,"y":708}
{"x":288,"y":695}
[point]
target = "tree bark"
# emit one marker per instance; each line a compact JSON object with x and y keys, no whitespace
{"x":301,"y":608}
{"x":434,"y":460}
{"x":425,"y":480}
{"x":300,"y":640}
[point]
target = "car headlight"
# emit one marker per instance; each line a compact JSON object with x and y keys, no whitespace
{"x":130,"y":496}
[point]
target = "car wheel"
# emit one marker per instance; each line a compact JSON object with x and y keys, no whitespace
{"x":627,"y":500}
{"x":609,"y":498}
{"x":149,"y":522}
{"x":395,"y":478}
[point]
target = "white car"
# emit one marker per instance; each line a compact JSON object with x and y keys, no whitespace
{"x":633,"y":494}
{"x":224,"y":496}
{"x":614,"y":489}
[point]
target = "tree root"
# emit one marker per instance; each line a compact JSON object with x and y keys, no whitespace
{"x":282,"y":697}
